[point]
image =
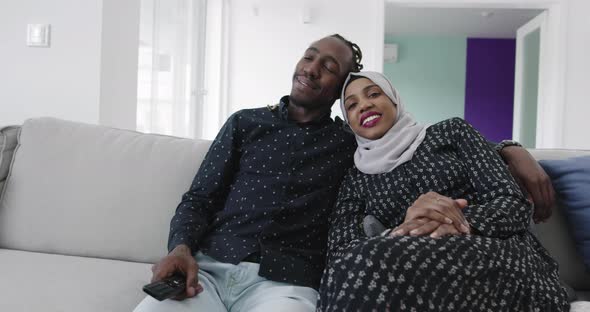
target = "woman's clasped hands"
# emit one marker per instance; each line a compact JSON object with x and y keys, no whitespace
{"x":434,"y":215}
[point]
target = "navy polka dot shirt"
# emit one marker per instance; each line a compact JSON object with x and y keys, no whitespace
{"x":267,"y":187}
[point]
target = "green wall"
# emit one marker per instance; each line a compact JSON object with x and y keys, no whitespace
{"x":528,"y":126}
{"x":430,"y":75}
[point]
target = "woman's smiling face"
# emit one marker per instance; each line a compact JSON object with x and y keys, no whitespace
{"x":370,"y":112}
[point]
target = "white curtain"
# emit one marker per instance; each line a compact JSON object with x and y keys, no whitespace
{"x":171,"y":52}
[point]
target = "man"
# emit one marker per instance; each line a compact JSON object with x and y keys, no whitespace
{"x":250,"y":234}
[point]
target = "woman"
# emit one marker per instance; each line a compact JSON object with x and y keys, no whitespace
{"x":459,"y":240}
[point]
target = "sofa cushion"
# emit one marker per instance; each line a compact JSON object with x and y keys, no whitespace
{"x":86,"y":190}
{"x":556,"y":237}
{"x":44,"y":282}
{"x":556,"y":234}
{"x":571,"y":180}
{"x":7,"y":144}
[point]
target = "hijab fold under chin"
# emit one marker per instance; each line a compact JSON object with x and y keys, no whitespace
{"x":399,"y":143}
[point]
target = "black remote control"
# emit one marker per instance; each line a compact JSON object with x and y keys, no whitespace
{"x":167,"y":288}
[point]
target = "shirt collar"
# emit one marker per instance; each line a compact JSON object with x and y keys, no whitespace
{"x":284,"y":114}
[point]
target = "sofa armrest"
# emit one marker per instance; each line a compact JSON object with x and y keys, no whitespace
{"x":8,"y":142}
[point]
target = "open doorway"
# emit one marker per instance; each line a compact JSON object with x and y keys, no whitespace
{"x":460,"y":59}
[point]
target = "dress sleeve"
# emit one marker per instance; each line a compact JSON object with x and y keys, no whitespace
{"x":498,"y":207}
{"x":346,"y":226}
{"x":209,"y":188}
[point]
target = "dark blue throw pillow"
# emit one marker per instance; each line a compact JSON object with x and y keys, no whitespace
{"x":571,"y":180}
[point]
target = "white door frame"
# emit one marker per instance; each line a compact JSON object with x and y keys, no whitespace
{"x":539,"y":22}
{"x":551,"y":61}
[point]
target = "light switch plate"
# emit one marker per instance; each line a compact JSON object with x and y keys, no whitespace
{"x":38,"y":35}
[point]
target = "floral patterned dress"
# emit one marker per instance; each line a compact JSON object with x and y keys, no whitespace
{"x":500,"y":267}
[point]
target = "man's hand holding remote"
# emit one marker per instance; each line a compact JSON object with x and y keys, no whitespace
{"x":179,"y":260}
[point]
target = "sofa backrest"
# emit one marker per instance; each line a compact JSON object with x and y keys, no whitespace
{"x":86,"y":190}
{"x":556,"y":235}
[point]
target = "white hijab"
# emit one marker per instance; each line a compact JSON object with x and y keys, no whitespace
{"x":398,"y":144}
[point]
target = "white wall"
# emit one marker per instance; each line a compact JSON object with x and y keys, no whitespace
{"x":65,"y":80}
{"x":577,"y":110}
{"x":60,"y":81}
{"x":118,"y":75}
{"x":264,"y":48}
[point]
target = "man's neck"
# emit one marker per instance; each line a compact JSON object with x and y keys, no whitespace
{"x":302,"y":114}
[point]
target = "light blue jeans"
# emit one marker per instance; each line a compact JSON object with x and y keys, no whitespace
{"x":236,"y":288}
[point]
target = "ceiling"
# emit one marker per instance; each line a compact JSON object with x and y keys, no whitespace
{"x":472,"y":22}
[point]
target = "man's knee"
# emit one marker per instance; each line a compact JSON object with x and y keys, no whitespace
{"x":285,"y":305}
{"x":272,"y":296}
{"x":203,"y":302}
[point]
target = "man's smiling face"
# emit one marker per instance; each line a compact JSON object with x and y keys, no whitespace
{"x":320,"y":73}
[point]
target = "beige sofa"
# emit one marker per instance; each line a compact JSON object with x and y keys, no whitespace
{"x":85,"y":209}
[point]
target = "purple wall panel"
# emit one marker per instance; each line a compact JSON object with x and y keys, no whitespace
{"x":489,"y":86}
